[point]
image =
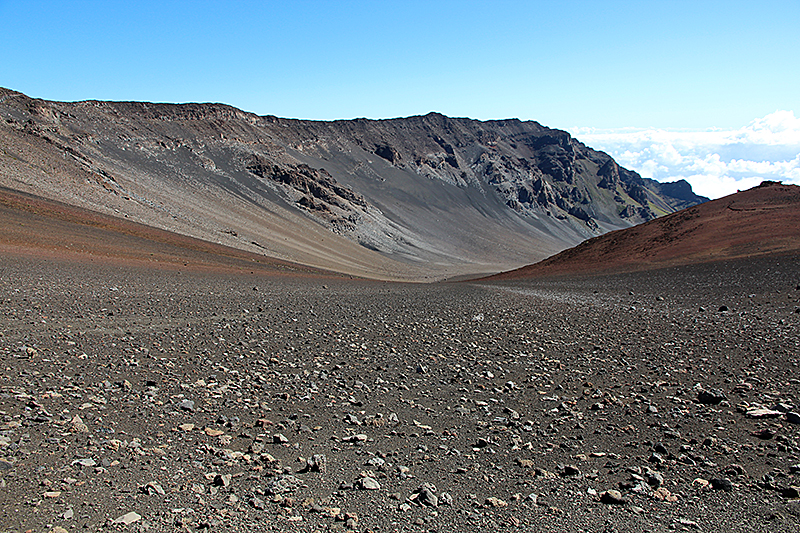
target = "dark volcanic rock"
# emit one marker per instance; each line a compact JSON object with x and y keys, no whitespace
{"x":711,"y":396}
{"x":308,"y":410}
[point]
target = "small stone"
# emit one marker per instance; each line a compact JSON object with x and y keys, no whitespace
{"x":368,"y":483}
{"x":735,"y":470}
{"x":187,"y":405}
{"x":721,"y":484}
{"x":332,"y":512}
{"x":664,"y":495}
{"x":763,"y":413}
{"x":283,"y":484}
{"x":258,"y":503}
{"x":612,"y":497}
{"x":153,"y":488}
{"x":710,"y":397}
{"x":491,"y":501}
{"x":654,"y":479}
{"x":425,"y":495}
{"x":222,"y":480}
{"x":279,"y":438}
{"x":186,"y":427}
{"x":376,"y":462}
{"x":570,"y":470}
{"x":764,"y":434}
{"x":77,"y":425}
{"x":127,"y":518}
{"x":656,"y":458}
{"x":317,"y":463}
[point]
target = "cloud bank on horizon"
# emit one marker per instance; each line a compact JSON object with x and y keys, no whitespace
{"x":715,"y":162}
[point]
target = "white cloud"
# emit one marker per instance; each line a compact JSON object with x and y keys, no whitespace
{"x":715,"y":162}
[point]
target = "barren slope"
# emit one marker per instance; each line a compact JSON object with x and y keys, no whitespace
{"x":37,"y":228}
{"x":417,"y":198}
{"x":761,"y":221}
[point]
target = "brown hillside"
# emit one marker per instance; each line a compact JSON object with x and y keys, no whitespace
{"x":761,"y":221}
{"x":36,"y":227}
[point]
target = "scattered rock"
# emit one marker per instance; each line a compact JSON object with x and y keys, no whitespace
{"x":153,"y":488}
{"x":368,"y":483}
{"x":763,"y":413}
{"x":127,"y":518}
{"x":316,"y":463}
{"x":721,"y":484}
{"x":613,"y":497}
{"x":425,"y":495}
{"x":570,"y":470}
{"x":711,"y":396}
{"x":664,"y":495}
{"x":491,"y":501}
{"x":77,"y":425}
{"x":222,"y":480}
{"x":764,"y":434}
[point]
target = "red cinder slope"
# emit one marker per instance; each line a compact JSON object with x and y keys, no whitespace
{"x":36,"y":227}
{"x":761,"y":221}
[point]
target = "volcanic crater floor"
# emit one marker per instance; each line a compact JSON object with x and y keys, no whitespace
{"x":143,"y":400}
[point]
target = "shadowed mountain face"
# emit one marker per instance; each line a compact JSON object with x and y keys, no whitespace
{"x":758,"y":222}
{"x":413,"y":198}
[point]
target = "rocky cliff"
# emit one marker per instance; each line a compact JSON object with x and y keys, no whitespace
{"x":446,"y":195}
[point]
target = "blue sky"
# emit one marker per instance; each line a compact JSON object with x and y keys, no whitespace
{"x":585,"y":66}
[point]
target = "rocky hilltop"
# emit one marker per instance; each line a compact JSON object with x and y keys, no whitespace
{"x":411,"y":197}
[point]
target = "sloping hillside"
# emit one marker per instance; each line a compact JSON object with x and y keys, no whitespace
{"x":761,"y":221}
{"x":416,"y":198}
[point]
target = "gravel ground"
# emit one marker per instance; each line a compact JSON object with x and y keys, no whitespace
{"x":142,"y":400}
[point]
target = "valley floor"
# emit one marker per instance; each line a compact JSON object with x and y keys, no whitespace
{"x":153,"y":400}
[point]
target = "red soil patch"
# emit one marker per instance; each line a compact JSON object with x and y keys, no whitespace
{"x":36,"y":227}
{"x":761,"y":221}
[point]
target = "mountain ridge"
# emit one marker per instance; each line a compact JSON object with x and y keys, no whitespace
{"x":424,"y":196}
